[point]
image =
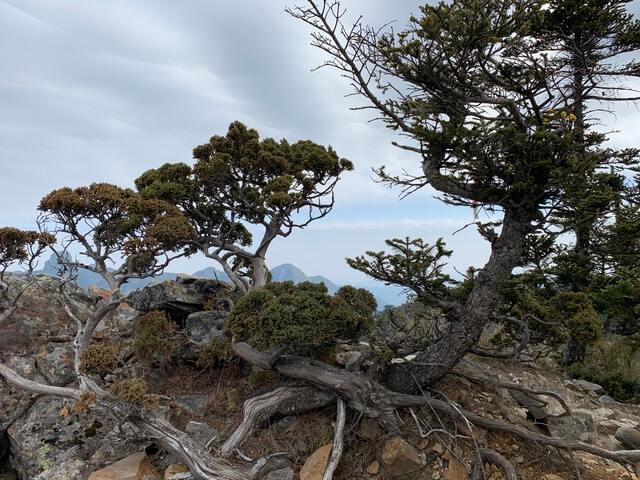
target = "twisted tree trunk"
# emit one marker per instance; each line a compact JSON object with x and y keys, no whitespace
{"x":469,"y":319}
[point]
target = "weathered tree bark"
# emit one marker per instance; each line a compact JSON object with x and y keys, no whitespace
{"x":575,"y":351}
{"x":36,"y":387}
{"x":201,"y":464}
{"x":468,"y":320}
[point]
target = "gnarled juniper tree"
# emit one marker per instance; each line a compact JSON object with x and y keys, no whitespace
{"x":119,"y":235}
{"x":240,"y":182}
{"x":496,"y":100}
{"x":18,"y":248}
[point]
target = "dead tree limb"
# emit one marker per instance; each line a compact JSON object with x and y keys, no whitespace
{"x":515,"y":351}
{"x":338,"y":442}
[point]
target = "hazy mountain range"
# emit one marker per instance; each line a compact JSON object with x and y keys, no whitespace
{"x":385,"y":295}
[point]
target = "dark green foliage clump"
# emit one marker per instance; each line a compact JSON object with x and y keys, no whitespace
{"x":155,"y":336}
{"x":616,"y":384}
{"x":283,"y":314}
{"x":213,"y":353}
{"x":576,"y":311}
{"x":99,"y":360}
{"x":613,"y":364}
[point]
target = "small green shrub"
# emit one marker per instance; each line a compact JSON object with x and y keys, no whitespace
{"x":286,"y":314}
{"x":613,"y":364}
{"x":581,"y":319}
{"x":99,"y":360}
{"x":134,"y":390}
{"x":155,"y":337}
{"x":213,"y":353}
{"x":616,"y":384}
{"x":131,"y":390}
{"x":260,"y":378}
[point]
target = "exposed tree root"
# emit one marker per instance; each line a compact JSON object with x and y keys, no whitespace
{"x":374,"y":400}
{"x":511,"y":387}
{"x":491,"y":456}
{"x":281,"y":400}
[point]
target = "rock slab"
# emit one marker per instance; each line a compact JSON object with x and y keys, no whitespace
{"x":401,"y":459}
{"x":316,"y":464}
{"x":133,"y":467}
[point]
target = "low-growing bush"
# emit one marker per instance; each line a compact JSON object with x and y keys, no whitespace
{"x":155,"y":337}
{"x":613,"y":364}
{"x":211,"y":354}
{"x":99,"y":360}
{"x":284,"y":314}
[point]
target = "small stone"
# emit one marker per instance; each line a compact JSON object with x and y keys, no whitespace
{"x":201,"y":433}
{"x":193,"y":404}
{"x":438,"y":448}
{"x":605,"y":412}
{"x":402,"y":459}
{"x":174,"y":469}
{"x":454,"y":470}
{"x":284,"y":423}
{"x":583,"y":386}
{"x":553,"y":476}
{"x":374,"y":468}
{"x":281,"y":474}
{"x":316,"y":464}
{"x":369,"y":429}
{"x":133,"y":467}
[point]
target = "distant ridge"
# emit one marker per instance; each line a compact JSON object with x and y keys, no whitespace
{"x":385,"y":295}
{"x":287,"y":271}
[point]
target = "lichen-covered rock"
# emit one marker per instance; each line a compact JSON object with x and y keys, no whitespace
{"x":40,"y":315}
{"x":281,"y":474}
{"x":579,"y":426}
{"x":52,"y":434}
{"x":179,"y":298}
{"x":15,"y":402}
{"x":55,"y":363}
{"x":70,"y":469}
{"x":201,"y":327}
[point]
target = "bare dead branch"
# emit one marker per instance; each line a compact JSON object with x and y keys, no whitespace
{"x":338,"y":444}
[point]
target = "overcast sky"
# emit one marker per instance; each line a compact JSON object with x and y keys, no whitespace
{"x":100,"y":91}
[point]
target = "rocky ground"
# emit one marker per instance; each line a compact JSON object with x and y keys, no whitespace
{"x":45,"y":438}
